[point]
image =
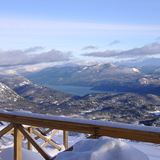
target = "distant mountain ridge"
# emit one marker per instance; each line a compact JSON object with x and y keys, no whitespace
{"x":106,"y":77}
{"x":80,"y":75}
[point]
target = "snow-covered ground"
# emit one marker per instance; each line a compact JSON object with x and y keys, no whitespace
{"x":104,"y":148}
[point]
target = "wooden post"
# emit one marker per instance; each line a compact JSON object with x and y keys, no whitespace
{"x":96,"y":133}
{"x":29,"y":144}
{"x":65,"y":139}
{"x":17,"y":143}
{"x":6,"y":129}
{"x":34,"y":143}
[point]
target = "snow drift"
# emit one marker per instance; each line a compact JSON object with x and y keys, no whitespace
{"x":7,"y":154}
{"x":102,"y":149}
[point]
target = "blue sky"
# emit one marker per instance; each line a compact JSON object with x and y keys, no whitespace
{"x":47,"y":32}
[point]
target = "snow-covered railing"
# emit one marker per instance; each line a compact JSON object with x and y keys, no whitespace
{"x":94,"y":127}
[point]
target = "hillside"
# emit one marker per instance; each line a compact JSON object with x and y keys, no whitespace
{"x":35,"y":93}
{"x":126,"y":107}
{"x":10,"y":100}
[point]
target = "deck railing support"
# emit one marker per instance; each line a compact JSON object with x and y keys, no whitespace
{"x":95,"y":128}
{"x":29,"y":144}
{"x":17,"y":143}
{"x":65,"y":139}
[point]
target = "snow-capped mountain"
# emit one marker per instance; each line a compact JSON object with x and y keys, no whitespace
{"x":106,"y":77}
{"x":81,"y":75}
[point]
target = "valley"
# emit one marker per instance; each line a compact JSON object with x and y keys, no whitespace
{"x":106,"y":77}
{"x":124,"y":107}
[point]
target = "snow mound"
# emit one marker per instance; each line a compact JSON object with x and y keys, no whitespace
{"x":7,"y":154}
{"x":102,"y":149}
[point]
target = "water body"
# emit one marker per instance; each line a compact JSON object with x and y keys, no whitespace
{"x":80,"y":91}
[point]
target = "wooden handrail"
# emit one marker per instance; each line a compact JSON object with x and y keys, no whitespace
{"x":17,"y":143}
{"x":94,"y":127}
{"x":99,"y":128}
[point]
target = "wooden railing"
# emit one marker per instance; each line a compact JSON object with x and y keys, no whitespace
{"x":94,"y":127}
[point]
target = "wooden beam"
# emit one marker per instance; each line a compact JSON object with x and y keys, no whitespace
{"x":43,"y":133}
{"x":88,"y":126}
{"x":50,"y":140}
{"x":17,"y":143}
{"x":29,"y":144}
{"x":46,"y":140}
{"x":6,"y":129}
{"x":65,"y":139}
{"x":34,"y":143}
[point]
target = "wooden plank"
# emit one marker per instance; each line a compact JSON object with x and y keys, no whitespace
{"x":47,"y":140}
{"x":130,"y":134}
{"x":65,"y":139}
{"x":43,"y":133}
{"x":17,"y":143}
{"x":10,"y":132}
{"x":34,"y":143}
{"x":50,"y":139}
{"x":133,"y":134}
{"x":6,"y":129}
{"x":29,"y":144}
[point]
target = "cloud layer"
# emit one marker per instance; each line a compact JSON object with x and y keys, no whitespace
{"x":149,"y":49}
{"x":89,"y":47}
{"x":29,"y":57}
{"x":114,"y":42}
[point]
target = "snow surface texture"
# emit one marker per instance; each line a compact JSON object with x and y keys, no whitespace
{"x":7,"y":154}
{"x":102,"y":149}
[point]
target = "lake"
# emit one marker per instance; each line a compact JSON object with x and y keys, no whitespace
{"x":80,"y":91}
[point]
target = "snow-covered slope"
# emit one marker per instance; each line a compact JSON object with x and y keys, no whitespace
{"x":7,"y":94}
{"x":7,"y":154}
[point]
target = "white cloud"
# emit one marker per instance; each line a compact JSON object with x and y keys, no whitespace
{"x":114,"y":42}
{"x":89,"y":47}
{"x":4,"y":71}
{"x":147,"y":50}
{"x":90,"y":62}
{"x":107,"y":53}
{"x":28,"y":57}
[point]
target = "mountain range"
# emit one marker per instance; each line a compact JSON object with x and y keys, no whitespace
{"x":18,"y":93}
{"x":106,"y":77}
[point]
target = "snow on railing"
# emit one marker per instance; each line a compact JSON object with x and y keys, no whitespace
{"x":94,"y":127}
